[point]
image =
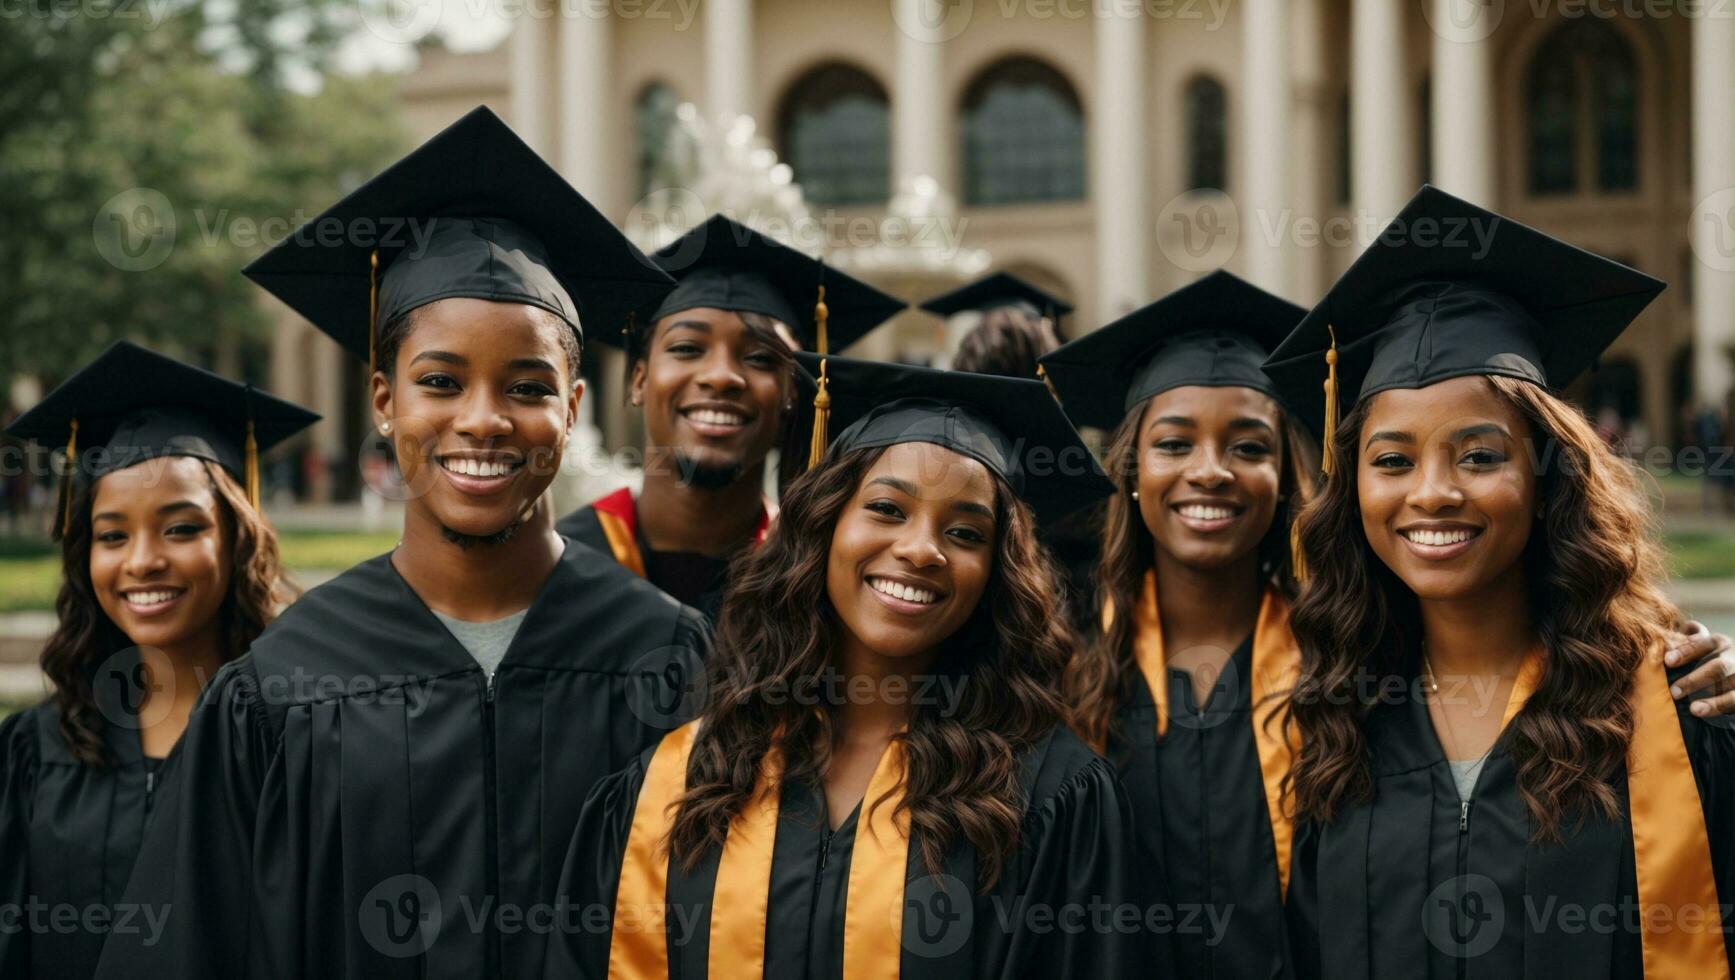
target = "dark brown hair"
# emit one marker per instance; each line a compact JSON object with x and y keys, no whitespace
{"x":776,"y":636}
{"x":1593,"y":571}
{"x":1007,"y":342}
{"x":1097,"y":679}
{"x":85,"y":636}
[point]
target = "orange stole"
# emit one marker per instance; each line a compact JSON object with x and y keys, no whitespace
{"x":1671,"y":845}
{"x":1276,"y":664}
{"x":740,"y":899}
{"x":619,"y":516}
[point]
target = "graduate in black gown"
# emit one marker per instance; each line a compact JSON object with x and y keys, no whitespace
{"x":386,"y":784}
{"x":170,"y":571}
{"x":882,"y":783}
{"x":1187,"y":701}
{"x":1494,"y":780}
{"x":711,"y":369}
{"x":1016,"y":323}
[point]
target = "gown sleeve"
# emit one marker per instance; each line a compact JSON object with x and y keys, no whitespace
{"x":18,"y":764}
{"x":1302,"y":905}
{"x":1077,"y":866}
{"x":1711,"y":749}
{"x":590,"y":877}
{"x":198,"y":871}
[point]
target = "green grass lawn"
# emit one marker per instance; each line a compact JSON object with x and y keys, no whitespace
{"x":1701,"y":555}
{"x":30,"y":568}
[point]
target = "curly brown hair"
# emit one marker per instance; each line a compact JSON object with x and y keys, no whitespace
{"x":1096,"y":680}
{"x":85,"y":636}
{"x":1007,"y":342}
{"x":776,"y":635}
{"x":1593,"y":569}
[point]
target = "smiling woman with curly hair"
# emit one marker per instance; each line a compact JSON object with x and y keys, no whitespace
{"x":1489,"y":746}
{"x":882,"y":780}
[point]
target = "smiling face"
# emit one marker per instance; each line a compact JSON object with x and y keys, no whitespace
{"x":1210,"y":467}
{"x":159,"y":554}
{"x":912,"y":550}
{"x":713,"y":391}
{"x":480,"y":401}
{"x":1447,"y":493}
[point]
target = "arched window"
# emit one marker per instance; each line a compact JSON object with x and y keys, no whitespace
{"x":1023,"y":135}
{"x":1583,"y":95}
{"x":834,"y":132}
{"x":1207,"y":139}
{"x":654,"y":115}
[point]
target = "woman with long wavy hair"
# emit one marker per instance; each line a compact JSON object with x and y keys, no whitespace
{"x":1489,"y":746}
{"x":882,"y":781}
{"x":1209,"y":470}
{"x":169,"y":572}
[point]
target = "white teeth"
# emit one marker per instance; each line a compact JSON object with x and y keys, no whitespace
{"x":1432,"y":537}
{"x":898,"y":590}
{"x":476,"y":467}
{"x":1202,"y":512}
{"x":711,"y":416}
{"x":151,"y":598}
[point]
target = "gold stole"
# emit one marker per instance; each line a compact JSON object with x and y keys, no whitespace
{"x":1276,"y":664}
{"x":1671,"y":846}
{"x":740,"y":900}
{"x":618,"y":515}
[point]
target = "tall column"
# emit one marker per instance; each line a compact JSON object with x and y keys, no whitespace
{"x":1120,"y":179}
{"x":1714,"y":218}
{"x":728,"y":58}
{"x":1265,"y":142}
{"x":1382,"y":124}
{"x":1462,"y":97}
{"x":587,"y":93}
{"x":532,"y":79}
{"x":1313,"y":105}
{"x":919,"y":146}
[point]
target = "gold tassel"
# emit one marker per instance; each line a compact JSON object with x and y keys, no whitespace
{"x":821,"y":415}
{"x":820,"y":313}
{"x":251,"y":468}
{"x":1042,"y":373}
{"x":373,"y":304}
{"x":1297,"y":560}
{"x":1330,"y":402}
{"x":66,"y":481}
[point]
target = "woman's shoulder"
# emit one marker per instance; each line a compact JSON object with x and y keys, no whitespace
{"x":1061,"y":765}
{"x":20,"y":732}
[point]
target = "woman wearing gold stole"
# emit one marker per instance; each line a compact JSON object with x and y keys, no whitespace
{"x":1493,"y":778}
{"x":882,"y":784}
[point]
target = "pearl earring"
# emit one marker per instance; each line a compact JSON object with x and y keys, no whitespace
{"x":1135,"y":495}
{"x":385,"y":428}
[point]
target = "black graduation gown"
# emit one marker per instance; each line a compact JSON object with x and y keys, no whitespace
{"x":1496,"y":906}
{"x":69,"y":834}
{"x":359,"y":800}
{"x":1074,"y":854}
{"x":1203,"y":825}
{"x":697,"y":580}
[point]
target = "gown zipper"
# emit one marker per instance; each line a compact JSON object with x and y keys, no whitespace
{"x":491,"y":829}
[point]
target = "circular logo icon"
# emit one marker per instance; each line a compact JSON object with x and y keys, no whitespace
{"x":400,"y":917}
{"x":134,"y":688}
{"x":1222,"y":688}
{"x":660,"y":218}
{"x":1199,"y":230}
{"x":938,"y":914}
{"x":1463,"y":21}
{"x":932,"y":21}
{"x":135,"y":229}
{"x":1465,"y":916}
{"x":1713,"y":230}
{"x":666,"y":687}
{"x":401,"y":21}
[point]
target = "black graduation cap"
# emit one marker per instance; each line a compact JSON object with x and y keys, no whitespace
{"x":133,"y":404}
{"x":1449,"y":289}
{"x":997,"y":290}
{"x":1215,"y":332}
{"x":1010,"y":425}
{"x":472,"y":212}
{"x":726,"y":265}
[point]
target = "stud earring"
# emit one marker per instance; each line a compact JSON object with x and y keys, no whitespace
{"x":385,"y":428}
{"x":1135,"y":495}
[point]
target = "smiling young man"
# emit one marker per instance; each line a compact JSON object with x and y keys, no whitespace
{"x":384,"y":785}
{"x":711,"y":369}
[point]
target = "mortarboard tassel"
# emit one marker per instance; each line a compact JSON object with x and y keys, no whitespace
{"x":821,"y":415}
{"x":373,"y":302}
{"x":1330,"y":403}
{"x":66,"y":481}
{"x":251,"y":467}
{"x":820,"y":313}
{"x":1297,"y":560}
{"x":1042,"y":373}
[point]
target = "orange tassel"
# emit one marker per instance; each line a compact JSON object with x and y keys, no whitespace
{"x":820,"y":313}
{"x":1330,"y":403}
{"x":373,"y":304}
{"x":66,"y":481}
{"x":821,"y":418}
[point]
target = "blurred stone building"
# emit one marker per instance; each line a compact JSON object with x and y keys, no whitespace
{"x":1112,"y":150}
